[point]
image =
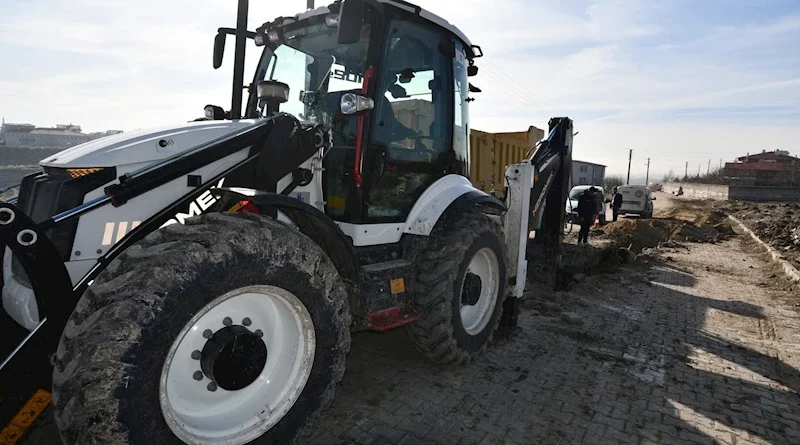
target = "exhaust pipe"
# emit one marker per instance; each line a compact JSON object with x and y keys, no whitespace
{"x":238,"y":59}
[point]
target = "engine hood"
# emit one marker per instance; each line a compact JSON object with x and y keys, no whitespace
{"x":143,"y":146}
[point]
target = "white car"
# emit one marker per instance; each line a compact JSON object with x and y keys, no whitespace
{"x":571,"y":207}
{"x":636,"y":200}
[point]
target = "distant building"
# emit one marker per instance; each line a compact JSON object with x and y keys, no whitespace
{"x":587,"y":173}
{"x":60,"y":136}
{"x":765,"y":168}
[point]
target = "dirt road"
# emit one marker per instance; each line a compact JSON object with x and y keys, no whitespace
{"x":694,"y":343}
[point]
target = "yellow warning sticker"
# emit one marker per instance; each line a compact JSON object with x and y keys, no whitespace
{"x":398,"y":286}
{"x":25,"y":417}
{"x":336,"y":202}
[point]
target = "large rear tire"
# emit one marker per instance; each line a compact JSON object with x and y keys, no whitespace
{"x":460,"y":289}
{"x":179,"y":340}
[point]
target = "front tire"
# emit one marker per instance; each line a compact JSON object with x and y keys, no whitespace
{"x":181,"y":302}
{"x":461,"y":286}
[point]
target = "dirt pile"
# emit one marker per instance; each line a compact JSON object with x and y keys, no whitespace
{"x":699,"y":227}
{"x":776,"y":224}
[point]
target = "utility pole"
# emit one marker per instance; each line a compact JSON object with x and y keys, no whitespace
{"x":698,"y":170}
{"x":310,"y":4}
{"x":709,"y":168}
{"x":630,"y":157}
{"x":686,"y":173}
{"x":647,"y":178}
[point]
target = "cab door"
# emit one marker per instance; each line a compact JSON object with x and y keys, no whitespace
{"x":410,"y":139}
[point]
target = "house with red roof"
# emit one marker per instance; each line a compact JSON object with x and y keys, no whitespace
{"x":765,"y":168}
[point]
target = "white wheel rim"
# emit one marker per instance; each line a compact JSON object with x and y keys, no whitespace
{"x":198,"y":415}
{"x":475,"y":317}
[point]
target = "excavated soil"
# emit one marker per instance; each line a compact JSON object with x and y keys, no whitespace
{"x":686,"y":222}
{"x":776,"y":224}
{"x":676,"y":222}
{"x":638,"y":234}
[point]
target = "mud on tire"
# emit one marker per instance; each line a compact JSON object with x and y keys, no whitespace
{"x":110,"y":358}
{"x":441,"y":270}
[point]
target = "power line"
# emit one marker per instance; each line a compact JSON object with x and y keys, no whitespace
{"x":519,"y":91}
{"x":505,"y":88}
{"x":516,"y":97}
{"x":552,"y":109}
{"x":516,"y":94}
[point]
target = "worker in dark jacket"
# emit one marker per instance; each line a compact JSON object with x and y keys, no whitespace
{"x":586,"y":213}
{"x":616,"y":203}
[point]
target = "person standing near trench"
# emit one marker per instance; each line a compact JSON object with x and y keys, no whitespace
{"x":616,"y":203}
{"x":586,"y":214}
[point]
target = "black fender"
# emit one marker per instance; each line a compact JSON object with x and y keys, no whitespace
{"x":309,"y":220}
{"x":473,"y":200}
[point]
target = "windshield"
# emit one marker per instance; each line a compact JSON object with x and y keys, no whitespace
{"x":576,"y":193}
{"x":314,"y":66}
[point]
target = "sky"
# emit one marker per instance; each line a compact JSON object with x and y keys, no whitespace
{"x":675,"y":81}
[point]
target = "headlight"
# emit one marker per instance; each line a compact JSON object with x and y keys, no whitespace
{"x":332,"y":20}
{"x":353,"y":103}
{"x":273,"y":90}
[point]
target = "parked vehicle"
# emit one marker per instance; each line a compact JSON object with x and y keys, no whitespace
{"x":636,"y":200}
{"x":571,"y":207}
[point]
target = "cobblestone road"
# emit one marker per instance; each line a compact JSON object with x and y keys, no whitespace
{"x":694,"y":348}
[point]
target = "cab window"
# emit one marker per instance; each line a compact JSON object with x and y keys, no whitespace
{"x":412,"y":123}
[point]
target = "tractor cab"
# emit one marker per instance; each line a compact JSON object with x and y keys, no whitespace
{"x":389,"y":82}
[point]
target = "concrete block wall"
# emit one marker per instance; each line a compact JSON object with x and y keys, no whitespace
{"x":734,"y":192}
{"x":765,"y":193}
{"x":699,"y":191}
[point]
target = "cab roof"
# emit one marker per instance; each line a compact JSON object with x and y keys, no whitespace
{"x":473,"y":51}
{"x":429,"y":16}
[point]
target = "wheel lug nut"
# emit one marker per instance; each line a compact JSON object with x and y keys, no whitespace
{"x":212,"y":386}
{"x":207,"y":333}
{"x":246,"y":321}
{"x":198,"y":375}
{"x":227,"y":321}
{"x":196,"y":355}
{"x":259,"y":333}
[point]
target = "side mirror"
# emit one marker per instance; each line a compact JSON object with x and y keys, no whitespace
{"x":214,"y":113}
{"x":219,"y":49}
{"x":653,"y":198}
{"x":351,"y":17}
{"x":472,"y":70}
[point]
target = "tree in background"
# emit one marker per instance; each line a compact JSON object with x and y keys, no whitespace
{"x":612,"y":181}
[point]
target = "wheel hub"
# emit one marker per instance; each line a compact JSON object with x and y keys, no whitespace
{"x":228,"y":383}
{"x":479,"y":291}
{"x":472,"y":289}
{"x":233,"y":357}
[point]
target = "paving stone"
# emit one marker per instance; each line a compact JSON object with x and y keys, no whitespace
{"x":675,"y":363}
